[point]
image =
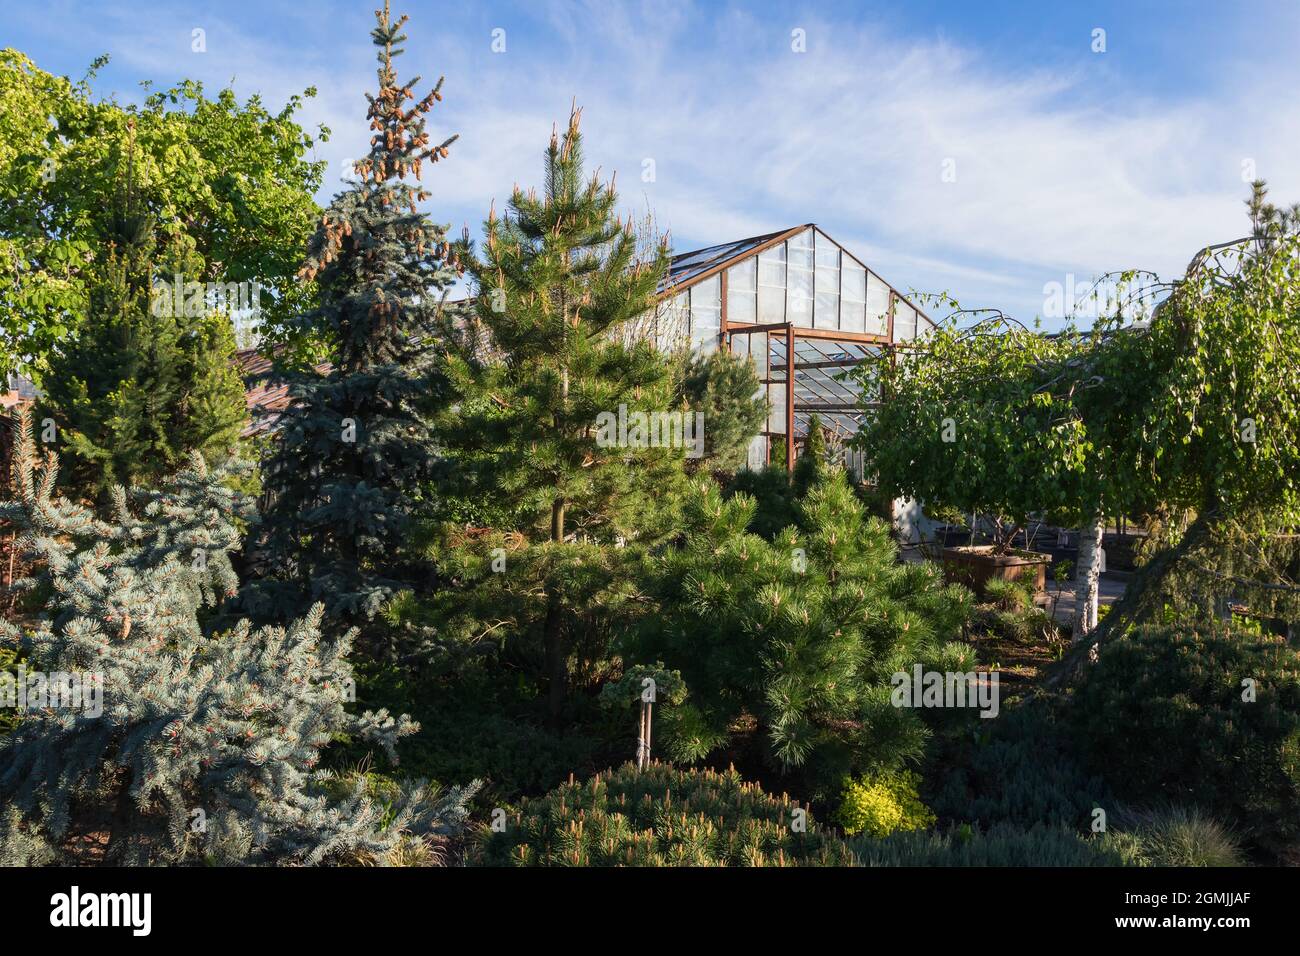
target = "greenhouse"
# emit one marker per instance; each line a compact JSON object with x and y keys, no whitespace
{"x":805,"y":309}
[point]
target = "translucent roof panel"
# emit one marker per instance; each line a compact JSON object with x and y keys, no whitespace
{"x":822,"y":385}
{"x":688,"y":265}
{"x":808,"y":279}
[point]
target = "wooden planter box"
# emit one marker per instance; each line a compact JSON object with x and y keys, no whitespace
{"x":973,"y":566}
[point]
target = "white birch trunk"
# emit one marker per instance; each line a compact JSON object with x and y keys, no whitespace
{"x":1087,"y":574}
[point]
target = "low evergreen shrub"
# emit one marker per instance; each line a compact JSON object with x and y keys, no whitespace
{"x":1002,"y":845}
{"x":1205,"y":718}
{"x":883,"y":804}
{"x":659,"y":817}
{"x":1019,"y":771}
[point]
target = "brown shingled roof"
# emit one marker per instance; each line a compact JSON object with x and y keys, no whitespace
{"x":267,"y":399}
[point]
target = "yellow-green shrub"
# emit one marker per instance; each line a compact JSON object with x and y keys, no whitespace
{"x":883,"y":804}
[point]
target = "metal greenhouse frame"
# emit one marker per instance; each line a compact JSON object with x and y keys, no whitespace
{"x":833,"y":312}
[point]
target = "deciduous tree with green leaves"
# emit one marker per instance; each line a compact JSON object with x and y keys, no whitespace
{"x":991,"y":419}
{"x":229,"y":183}
{"x":1197,"y":409}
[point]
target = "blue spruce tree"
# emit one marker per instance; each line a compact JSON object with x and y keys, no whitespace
{"x":358,"y":442}
{"x":156,"y":741}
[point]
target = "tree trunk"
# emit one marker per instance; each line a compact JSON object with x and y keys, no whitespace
{"x":1086,"y":577}
{"x":557,"y":660}
{"x":557,"y":657}
{"x":1142,"y":599}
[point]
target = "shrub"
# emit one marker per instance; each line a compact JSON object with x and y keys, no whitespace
{"x":1007,"y":595}
{"x":722,"y":386}
{"x":1009,"y":614}
{"x":1200,"y":743}
{"x":1002,"y":845}
{"x":478,"y":721}
{"x":774,"y":504}
{"x":792,"y":645}
{"x":658,"y":817}
{"x":883,"y":804}
{"x":1181,"y":836}
{"x":1020,"y":771}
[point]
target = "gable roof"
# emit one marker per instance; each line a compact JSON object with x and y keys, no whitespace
{"x":266,"y":397}
{"x":688,"y":268}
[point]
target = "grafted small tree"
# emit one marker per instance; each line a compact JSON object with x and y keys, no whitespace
{"x":357,"y":444}
{"x":202,"y":746}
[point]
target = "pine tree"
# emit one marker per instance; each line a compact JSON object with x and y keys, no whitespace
{"x":202,"y":746}
{"x":357,"y":443}
{"x":535,"y":421}
{"x":812,"y":464}
{"x":140,"y":387}
{"x":799,"y":635}
{"x":1269,"y":222}
{"x":725,"y":387}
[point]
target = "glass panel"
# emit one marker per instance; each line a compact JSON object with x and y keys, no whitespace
{"x":754,"y":345}
{"x":742,"y":304}
{"x":904,"y":321}
{"x":799,"y":283}
{"x":771,"y":285}
{"x":757,"y":456}
{"x":853,"y":308}
{"x":826,"y":312}
{"x":740,"y":344}
{"x":743,"y":275}
{"x":706,"y":314}
{"x":776,"y":418}
{"x":758,"y":352}
{"x":877,"y":305}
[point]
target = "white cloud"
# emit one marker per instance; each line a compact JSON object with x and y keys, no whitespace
{"x":1055,"y":172}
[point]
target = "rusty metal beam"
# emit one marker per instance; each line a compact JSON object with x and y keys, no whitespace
{"x":789,"y":399}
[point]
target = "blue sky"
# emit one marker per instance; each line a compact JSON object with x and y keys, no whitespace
{"x":981,"y":149}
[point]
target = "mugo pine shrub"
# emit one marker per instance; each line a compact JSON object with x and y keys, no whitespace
{"x":1219,"y":721}
{"x":798,"y":637}
{"x":661,"y":817}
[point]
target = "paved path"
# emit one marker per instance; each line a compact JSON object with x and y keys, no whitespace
{"x":1111,"y":588}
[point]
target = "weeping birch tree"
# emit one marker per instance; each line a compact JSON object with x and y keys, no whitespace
{"x":1196,"y":409}
{"x":993,"y":419}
